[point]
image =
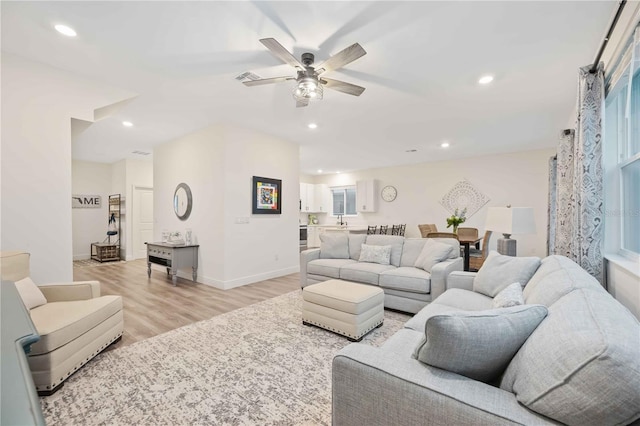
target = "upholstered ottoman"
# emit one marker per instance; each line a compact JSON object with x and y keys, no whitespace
{"x":343,"y":307}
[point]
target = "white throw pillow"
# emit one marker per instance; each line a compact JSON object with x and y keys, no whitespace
{"x":498,"y":271}
{"x":375,"y":254}
{"x":478,"y":344}
{"x":31,"y":295}
{"x":509,"y":296}
{"x":433,"y":253}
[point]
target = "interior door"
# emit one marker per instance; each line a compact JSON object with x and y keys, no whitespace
{"x":142,"y":220}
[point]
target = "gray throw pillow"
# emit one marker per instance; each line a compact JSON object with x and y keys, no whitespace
{"x":478,"y":344}
{"x":432,"y":253}
{"x":511,"y":295}
{"x":498,"y":271}
{"x":375,"y":254}
{"x":355,"y":244}
{"x":334,"y":245}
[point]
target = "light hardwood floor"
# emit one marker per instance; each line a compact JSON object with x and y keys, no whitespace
{"x":153,"y":306}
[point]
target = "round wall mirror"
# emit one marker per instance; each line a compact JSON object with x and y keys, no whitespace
{"x":182,"y":201}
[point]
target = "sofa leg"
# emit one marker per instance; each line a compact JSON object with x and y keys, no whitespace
{"x":50,"y":391}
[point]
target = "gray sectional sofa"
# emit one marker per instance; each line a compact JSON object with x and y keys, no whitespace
{"x":406,"y":287}
{"x":580,"y":365}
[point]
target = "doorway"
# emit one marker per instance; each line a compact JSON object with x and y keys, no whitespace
{"x":142,"y":220}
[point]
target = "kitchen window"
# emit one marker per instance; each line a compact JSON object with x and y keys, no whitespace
{"x":622,"y":153}
{"x":344,"y":200}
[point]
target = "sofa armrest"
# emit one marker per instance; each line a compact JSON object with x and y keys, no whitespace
{"x":372,"y":386}
{"x":77,"y":290}
{"x":461,"y":279}
{"x":307,"y":256}
{"x":440,"y":272}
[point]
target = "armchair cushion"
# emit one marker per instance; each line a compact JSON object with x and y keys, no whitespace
{"x":61,"y":322}
{"x":30,"y":293}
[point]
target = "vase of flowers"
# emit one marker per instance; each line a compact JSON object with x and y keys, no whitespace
{"x":456,"y":219}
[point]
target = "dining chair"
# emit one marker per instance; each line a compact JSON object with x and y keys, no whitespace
{"x":477,"y":257}
{"x":442,"y":235}
{"x":383,"y":229}
{"x":468,"y":233}
{"x":426,"y":228}
{"x":372,"y":229}
{"x":398,"y":230}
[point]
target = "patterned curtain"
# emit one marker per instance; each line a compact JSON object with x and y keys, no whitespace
{"x":552,"y":206}
{"x":577,"y":229}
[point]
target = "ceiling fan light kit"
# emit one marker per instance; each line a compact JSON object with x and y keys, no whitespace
{"x":309,"y":85}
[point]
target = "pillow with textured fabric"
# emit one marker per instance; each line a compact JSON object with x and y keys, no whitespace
{"x":511,"y":295}
{"x":375,"y":254}
{"x":432,"y":253}
{"x":478,"y":344}
{"x":30,"y":294}
{"x":334,"y":245}
{"x":498,"y":271}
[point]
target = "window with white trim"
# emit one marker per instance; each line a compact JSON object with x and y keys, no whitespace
{"x":622,"y":152}
{"x":344,"y":200}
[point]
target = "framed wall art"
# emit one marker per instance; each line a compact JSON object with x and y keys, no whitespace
{"x":267,"y":196}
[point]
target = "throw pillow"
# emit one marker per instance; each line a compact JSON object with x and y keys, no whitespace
{"x":478,"y":344}
{"x":334,"y":245}
{"x":432,"y":253}
{"x":30,"y":294}
{"x":375,"y":254}
{"x":511,"y":295}
{"x":498,"y":271}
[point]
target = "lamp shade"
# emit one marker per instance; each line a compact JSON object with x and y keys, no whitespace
{"x":511,"y":220}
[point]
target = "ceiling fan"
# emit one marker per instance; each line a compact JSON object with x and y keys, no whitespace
{"x":309,"y":81}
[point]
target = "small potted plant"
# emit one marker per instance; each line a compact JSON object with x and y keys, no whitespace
{"x":456,"y":219}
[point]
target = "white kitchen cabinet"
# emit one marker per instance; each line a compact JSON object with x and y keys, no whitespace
{"x":313,"y":236}
{"x":366,"y":196}
{"x":322,"y":198}
{"x":314,"y":198}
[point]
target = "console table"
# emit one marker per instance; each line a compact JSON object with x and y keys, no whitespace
{"x":173,"y":257}
{"x":20,"y":403}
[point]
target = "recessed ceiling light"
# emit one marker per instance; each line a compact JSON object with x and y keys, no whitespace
{"x":63,"y":29}
{"x":411,"y":150}
{"x":485,"y":79}
{"x":445,"y":144}
{"x":319,"y":170}
{"x":127,"y":123}
{"x":338,"y":173}
{"x":312,"y":126}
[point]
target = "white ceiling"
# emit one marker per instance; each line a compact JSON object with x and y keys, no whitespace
{"x":421,"y":70}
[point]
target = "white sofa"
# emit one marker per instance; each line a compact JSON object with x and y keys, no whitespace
{"x":579,"y":366}
{"x":406,"y":287}
{"x":75,"y":324}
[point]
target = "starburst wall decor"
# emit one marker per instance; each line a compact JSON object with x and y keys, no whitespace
{"x":464,"y":195}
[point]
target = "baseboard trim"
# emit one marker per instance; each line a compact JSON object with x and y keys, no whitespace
{"x":81,"y":256}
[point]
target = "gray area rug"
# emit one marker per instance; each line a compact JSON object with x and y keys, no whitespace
{"x":256,"y":365}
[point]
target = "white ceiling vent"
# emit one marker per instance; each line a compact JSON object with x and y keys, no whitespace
{"x":141,"y":153}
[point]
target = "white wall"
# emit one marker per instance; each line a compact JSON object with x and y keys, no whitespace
{"x":90,"y":225}
{"x":38,"y":103}
{"x":519,"y":179}
{"x":218,"y":163}
{"x":623,"y":283}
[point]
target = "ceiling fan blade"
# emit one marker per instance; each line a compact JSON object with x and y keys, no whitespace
{"x":341,"y":86}
{"x":302,"y":103}
{"x":341,"y":58}
{"x":283,"y":54}
{"x":267,"y":81}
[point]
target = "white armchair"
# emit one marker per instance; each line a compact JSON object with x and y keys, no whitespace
{"x":75,"y":324}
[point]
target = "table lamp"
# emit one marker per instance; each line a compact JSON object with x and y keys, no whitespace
{"x":510,"y":220}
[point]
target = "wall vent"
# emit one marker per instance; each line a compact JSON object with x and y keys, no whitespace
{"x":141,"y":153}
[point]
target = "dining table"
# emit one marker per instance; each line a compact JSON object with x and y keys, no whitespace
{"x":466,"y":243}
